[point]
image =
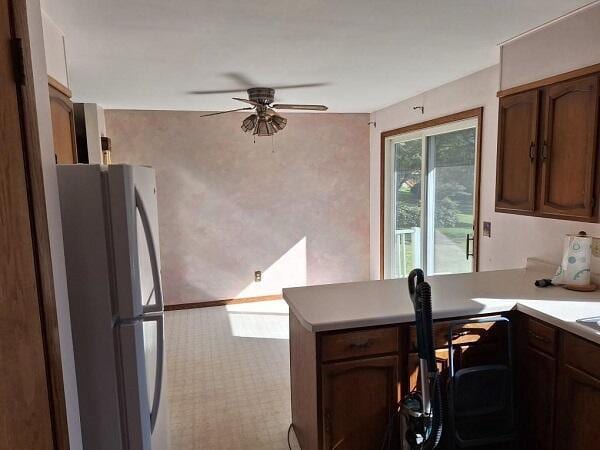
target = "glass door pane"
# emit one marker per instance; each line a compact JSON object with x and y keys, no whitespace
{"x":450,"y":201}
{"x":405,"y":239}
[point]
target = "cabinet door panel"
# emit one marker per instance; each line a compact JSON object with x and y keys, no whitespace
{"x":358,"y":397}
{"x":569,"y":149}
{"x":579,"y":401}
{"x":537,"y":400}
{"x":63,"y":128}
{"x":517,"y":153}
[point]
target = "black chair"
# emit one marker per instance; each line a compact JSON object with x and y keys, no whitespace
{"x":480,"y":398}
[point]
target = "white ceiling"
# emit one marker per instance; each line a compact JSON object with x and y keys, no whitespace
{"x":147,"y":54}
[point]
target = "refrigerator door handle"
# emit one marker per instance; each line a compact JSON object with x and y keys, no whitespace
{"x":160,"y":354}
{"x":158,"y":306}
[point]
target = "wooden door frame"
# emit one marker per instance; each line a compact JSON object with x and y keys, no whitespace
{"x":39,"y":221}
{"x":476,"y":113}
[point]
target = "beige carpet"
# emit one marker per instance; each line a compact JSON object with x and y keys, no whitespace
{"x":228,"y":377}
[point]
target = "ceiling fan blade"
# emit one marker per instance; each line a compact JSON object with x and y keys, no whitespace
{"x":241,"y":79}
{"x":245,"y":100}
{"x":225,"y":112}
{"x":223,"y":91}
{"x":300,"y":107}
{"x":297,"y":86}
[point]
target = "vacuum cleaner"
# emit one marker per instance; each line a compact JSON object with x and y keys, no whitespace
{"x":421,"y":411}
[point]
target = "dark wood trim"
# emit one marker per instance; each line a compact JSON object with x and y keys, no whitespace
{"x":468,"y":114}
{"x":222,"y":302}
{"x":584,"y":71}
{"x":382,"y":207}
{"x":34,"y":172}
{"x":477,"y":199}
{"x":59,"y":87}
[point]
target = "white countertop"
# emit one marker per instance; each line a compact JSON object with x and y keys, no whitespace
{"x":370,"y":303}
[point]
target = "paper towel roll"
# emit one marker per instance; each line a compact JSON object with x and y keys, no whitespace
{"x":575,"y":267}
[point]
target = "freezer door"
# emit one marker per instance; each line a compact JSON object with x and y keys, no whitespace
{"x":142,"y":370}
{"x":134,"y":226}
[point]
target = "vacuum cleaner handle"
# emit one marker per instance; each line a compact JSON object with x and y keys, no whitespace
{"x":412,"y":284}
{"x":425,"y":317}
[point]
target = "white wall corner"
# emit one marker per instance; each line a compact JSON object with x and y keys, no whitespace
{"x":375,"y":167}
{"x":40,"y":75}
{"x":54,"y":50}
{"x":95,"y":128}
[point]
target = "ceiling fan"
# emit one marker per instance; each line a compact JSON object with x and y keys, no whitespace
{"x":264,"y":121}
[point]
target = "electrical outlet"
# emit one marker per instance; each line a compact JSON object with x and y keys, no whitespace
{"x":257,"y":276}
{"x":487,"y":229}
{"x":596,"y":247}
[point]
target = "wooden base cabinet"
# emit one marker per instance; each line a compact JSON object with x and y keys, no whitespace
{"x":578,"y":395}
{"x":536,"y":383}
{"x":345,"y":385}
{"x":559,"y":388}
{"x":357,"y":400}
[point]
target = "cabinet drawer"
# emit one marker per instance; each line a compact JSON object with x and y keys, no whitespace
{"x":581,"y":354}
{"x":467,"y":333}
{"x":359,"y":343}
{"x":541,"y":337}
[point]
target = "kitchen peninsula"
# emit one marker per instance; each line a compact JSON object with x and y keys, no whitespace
{"x":353,"y":353}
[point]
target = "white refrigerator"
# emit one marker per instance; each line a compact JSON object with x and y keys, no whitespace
{"x":110,"y":232}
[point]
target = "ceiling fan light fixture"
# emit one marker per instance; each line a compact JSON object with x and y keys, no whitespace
{"x":264,"y":121}
{"x":279,"y":122}
{"x":249,"y":123}
{"x":262,"y":128}
{"x":265,"y":127}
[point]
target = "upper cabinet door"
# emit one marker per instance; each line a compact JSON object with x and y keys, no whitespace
{"x":517,"y":153}
{"x":63,"y":127}
{"x":568,"y":156}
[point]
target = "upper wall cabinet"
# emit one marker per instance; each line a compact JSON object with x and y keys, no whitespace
{"x":547,"y":151}
{"x":63,"y":126}
{"x":569,"y":149}
{"x":517,"y":150}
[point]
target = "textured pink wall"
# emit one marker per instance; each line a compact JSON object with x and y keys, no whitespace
{"x":295,"y":207}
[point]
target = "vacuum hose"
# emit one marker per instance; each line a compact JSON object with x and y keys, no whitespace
{"x":420,"y":294}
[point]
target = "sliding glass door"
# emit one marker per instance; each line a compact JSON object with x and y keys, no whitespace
{"x":429,"y":207}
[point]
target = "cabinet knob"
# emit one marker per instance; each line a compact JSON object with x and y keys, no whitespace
{"x":539,"y":337}
{"x":361,"y":344}
{"x":532,"y":151}
{"x":328,"y":422}
{"x":545,"y":151}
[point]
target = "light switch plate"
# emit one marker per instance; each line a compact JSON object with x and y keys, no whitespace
{"x":258,"y":276}
{"x":596,"y":247}
{"x":487,"y":229}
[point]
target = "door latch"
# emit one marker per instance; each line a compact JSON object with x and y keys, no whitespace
{"x":468,"y":251}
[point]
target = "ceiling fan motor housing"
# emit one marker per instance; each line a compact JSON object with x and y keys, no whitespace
{"x":264,"y":96}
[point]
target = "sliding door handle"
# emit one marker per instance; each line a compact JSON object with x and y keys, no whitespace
{"x":468,"y":252}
